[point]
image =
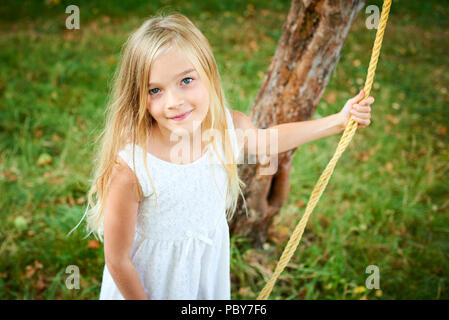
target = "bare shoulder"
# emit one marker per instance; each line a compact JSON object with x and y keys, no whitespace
{"x":247,"y":133}
{"x":123,"y":179}
{"x":241,"y":120}
{"x":122,"y":172}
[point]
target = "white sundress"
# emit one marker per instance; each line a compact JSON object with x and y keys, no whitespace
{"x":181,"y":248}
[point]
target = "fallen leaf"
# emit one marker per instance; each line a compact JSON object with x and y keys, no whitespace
{"x":359,"y":289}
{"x":300,"y":204}
{"x":356,"y":63}
{"x":324,"y":222}
{"x":442,"y":131}
{"x":9,"y":175}
{"x":392,"y":119}
{"x":29,"y":271}
{"x":37,"y":264}
{"x":38,"y":133}
{"x":70,"y":201}
{"x":93,"y":244}
{"x":56,"y":180}
{"x":111,"y":61}
{"x":254,"y":46}
{"x":80,"y":200}
{"x":279,"y":235}
{"x":252,"y":256}
{"x":243,"y":291}
{"x":389,"y":166}
{"x":44,"y":159}
{"x":105,"y":19}
{"x":363,"y":156}
{"x":41,"y":284}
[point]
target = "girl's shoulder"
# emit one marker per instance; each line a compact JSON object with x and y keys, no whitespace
{"x":132,"y":156}
{"x":235,"y":116}
{"x":123,"y":177}
{"x":241,"y":121}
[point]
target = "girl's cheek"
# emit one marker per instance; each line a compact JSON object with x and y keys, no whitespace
{"x":151,"y":101}
{"x":150,"y":104}
{"x":196,"y":92}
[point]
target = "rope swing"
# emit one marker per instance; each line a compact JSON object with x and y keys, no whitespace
{"x":349,"y":132}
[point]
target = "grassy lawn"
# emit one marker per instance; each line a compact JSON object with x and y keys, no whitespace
{"x":386,"y":204}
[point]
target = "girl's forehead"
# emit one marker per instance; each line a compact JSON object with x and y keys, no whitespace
{"x":169,"y":65}
{"x":170,"y":57}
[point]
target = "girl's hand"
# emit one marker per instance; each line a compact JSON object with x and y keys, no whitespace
{"x":361,"y":111}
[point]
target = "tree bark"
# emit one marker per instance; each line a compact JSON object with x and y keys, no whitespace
{"x":306,"y":55}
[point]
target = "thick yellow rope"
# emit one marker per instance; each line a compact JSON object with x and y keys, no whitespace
{"x":350,"y":129}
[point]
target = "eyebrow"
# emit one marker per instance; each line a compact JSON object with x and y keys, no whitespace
{"x":178,"y":75}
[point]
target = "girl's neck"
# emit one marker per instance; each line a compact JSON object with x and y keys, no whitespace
{"x":161,"y":145}
{"x":163,"y":136}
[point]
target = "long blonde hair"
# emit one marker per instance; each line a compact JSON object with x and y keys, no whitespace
{"x":128,"y":119}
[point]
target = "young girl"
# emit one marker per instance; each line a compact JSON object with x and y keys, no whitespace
{"x":164,"y":216}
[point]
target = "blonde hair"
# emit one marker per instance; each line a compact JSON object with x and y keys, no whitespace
{"x":129,"y":119}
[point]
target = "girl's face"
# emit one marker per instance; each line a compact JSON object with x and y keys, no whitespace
{"x":175,"y":88}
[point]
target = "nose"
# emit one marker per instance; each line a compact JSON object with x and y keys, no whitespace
{"x":174,"y":99}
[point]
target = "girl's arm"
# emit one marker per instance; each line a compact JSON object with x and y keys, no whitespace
{"x":119,"y":222}
{"x":287,"y":136}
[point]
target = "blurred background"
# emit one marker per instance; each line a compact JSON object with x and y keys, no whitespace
{"x":386,"y":205}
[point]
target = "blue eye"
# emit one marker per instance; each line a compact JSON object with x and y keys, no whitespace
{"x":187,"y":78}
{"x":151,"y":92}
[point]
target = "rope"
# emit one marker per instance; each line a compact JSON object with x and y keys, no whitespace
{"x":349,"y":132}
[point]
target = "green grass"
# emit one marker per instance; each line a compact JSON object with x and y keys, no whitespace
{"x":386,"y":203}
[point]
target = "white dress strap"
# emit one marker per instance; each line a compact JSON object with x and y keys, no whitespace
{"x":127,"y":155}
{"x":233,"y":135}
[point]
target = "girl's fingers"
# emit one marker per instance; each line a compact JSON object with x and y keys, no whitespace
{"x":360,"y":108}
{"x":358,"y":97}
{"x":367,"y":101}
{"x":361,"y":114}
{"x":362,"y":122}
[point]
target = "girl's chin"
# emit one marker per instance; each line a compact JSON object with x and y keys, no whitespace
{"x":185,"y":128}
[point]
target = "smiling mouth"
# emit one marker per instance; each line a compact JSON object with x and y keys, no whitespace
{"x":182,"y":116}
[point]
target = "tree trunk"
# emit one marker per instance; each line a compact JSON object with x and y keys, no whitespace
{"x":306,"y":55}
